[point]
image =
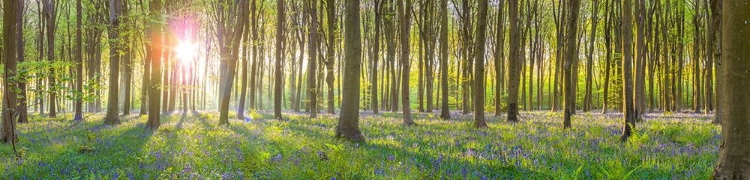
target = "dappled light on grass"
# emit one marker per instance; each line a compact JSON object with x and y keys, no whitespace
{"x":192,"y":145}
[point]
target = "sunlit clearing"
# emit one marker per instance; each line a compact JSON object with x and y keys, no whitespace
{"x":186,"y":51}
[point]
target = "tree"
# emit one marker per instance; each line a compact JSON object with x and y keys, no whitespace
{"x":734,"y":81}
{"x":479,"y":48}
{"x":499,"y":57}
{"x":588,"y":97}
{"x":715,"y":51}
{"x":627,"y":68}
{"x":115,"y":9}
{"x":513,"y":62}
{"x":280,"y":18}
{"x":22,"y":110}
{"x":571,"y":57}
{"x":50,"y":15}
{"x":444,"y":111}
{"x":348,"y":125}
{"x":404,"y":16}
{"x":79,"y":64}
{"x":154,"y":56}
{"x":229,"y":55}
{"x":376,"y":56}
{"x":10,"y":9}
{"x":329,"y":62}
{"x":313,"y":60}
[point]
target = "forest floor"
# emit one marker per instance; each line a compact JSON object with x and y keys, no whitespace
{"x":193,"y":146}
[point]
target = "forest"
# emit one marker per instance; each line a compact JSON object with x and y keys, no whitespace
{"x":375,"y":89}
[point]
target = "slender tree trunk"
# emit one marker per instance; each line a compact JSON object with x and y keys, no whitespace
{"x":513,"y":62}
{"x":278,"y":86}
{"x":376,"y":56}
{"x":229,"y":61}
{"x":348,"y":125}
{"x":405,"y":16}
{"x":115,"y":9}
{"x":330,"y":54}
{"x":716,"y":42}
{"x":590,"y":57}
{"x":444,"y":111}
{"x":570,"y":58}
{"x":627,"y":68}
{"x":22,"y":109}
{"x":50,"y":13}
{"x":499,"y":58}
{"x":608,"y":48}
{"x":154,"y":57}
{"x":312,"y":62}
{"x":479,"y":48}
{"x":10,"y":10}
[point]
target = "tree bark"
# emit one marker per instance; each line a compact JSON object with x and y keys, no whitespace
{"x":479,"y":47}
{"x":734,"y":154}
{"x":312,"y":70}
{"x":348,"y":125}
{"x":627,"y":68}
{"x":444,"y":111}
{"x":10,"y":10}
{"x":587,"y":102}
{"x":115,"y":9}
{"x":513,"y":62}
{"x":570,"y":58}
{"x":499,"y":58}
{"x":278,"y":86}
{"x":405,"y":16}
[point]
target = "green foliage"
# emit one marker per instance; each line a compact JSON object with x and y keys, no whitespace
{"x":192,"y":145}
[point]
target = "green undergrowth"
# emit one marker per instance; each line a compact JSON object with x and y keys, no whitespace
{"x":193,"y":146}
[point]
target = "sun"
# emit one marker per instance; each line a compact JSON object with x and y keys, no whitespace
{"x":186,"y":51}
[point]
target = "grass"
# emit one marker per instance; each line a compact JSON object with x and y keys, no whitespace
{"x":190,"y":146}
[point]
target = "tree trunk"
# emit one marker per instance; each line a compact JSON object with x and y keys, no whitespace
{"x":330,"y":54}
{"x":405,"y":16}
{"x":608,"y":24}
{"x":229,"y":61}
{"x":312,"y":70}
{"x":115,"y":9}
{"x":444,"y":111}
{"x":735,"y":80}
{"x":513,"y":62}
{"x":50,"y":14}
{"x":10,"y":10}
{"x":590,"y":58}
{"x":716,"y":6}
{"x":23,"y":116}
{"x":479,"y":47}
{"x":570,"y":58}
{"x":499,"y":58}
{"x":278,"y":86}
{"x":348,"y":125}
{"x":627,"y":68}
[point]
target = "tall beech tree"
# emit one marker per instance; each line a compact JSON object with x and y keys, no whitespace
{"x":735,"y":79}
{"x":479,"y":49}
{"x":312,"y":68}
{"x":444,"y":109}
{"x":348,"y":123}
{"x":627,"y":68}
{"x":229,"y":50}
{"x":115,"y":46}
{"x":277,"y":93}
{"x":404,"y":18}
{"x":10,"y":23}
{"x":154,"y":56}
{"x":571,"y":57}
{"x":514,"y":60}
